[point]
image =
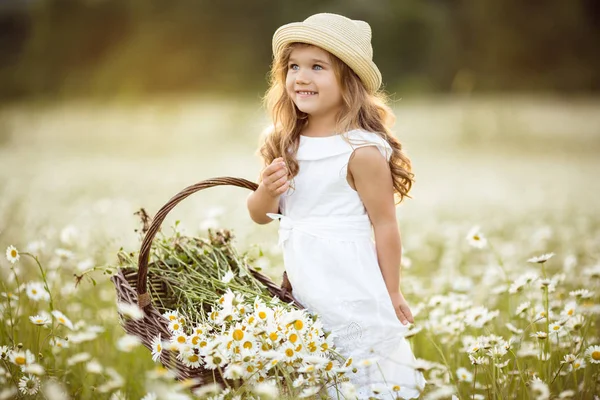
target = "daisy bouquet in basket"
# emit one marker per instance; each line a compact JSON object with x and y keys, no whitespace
{"x":222,"y":318}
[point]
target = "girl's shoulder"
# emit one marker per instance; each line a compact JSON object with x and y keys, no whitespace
{"x":361,"y":138}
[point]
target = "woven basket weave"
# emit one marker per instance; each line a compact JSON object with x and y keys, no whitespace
{"x":132,"y":287}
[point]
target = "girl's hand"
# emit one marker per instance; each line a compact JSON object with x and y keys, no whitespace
{"x":401,"y":307}
{"x":275,"y":178}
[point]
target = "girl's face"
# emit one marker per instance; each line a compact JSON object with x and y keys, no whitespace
{"x":309,"y":70}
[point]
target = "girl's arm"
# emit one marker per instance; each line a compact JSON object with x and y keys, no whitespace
{"x":373,"y":180}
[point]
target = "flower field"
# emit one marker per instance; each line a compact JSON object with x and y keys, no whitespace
{"x":501,"y":251}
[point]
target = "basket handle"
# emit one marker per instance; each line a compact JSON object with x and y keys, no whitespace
{"x":141,"y":288}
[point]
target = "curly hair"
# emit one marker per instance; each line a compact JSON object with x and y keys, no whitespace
{"x":360,"y":110}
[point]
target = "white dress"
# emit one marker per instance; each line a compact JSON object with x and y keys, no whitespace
{"x":331,"y":261}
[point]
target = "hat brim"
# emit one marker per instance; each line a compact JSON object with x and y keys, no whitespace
{"x":330,"y":41}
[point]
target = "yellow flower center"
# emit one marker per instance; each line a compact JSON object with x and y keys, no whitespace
{"x":247,"y":345}
{"x":476,"y":237}
{"x":262,"y":315}
{"x":158,"y":348}
{"x":238,"y":334}
{"x":217,"y":360}
{"x":293,"y":338}
{"x":289,"y":352}
{"x":181,"y":339}
{"x":13,"y":253}
{"x":176,"y":327}
{"x":19,"y":360}
{"x":596,"y":355}
{"x":396,"y":388}
{"x":298,"y":324}
{"x":329,"y":366}
{"x":556,"y":327}
{"x":33,"y":291}
{"x":273,"y":336}
{"x":193,"y":358}
{"x":172,"y":317}
{"x":195,"y":340}
{"x":62,"y":320}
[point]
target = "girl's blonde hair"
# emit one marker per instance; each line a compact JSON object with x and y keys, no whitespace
{"x":360,"y":109}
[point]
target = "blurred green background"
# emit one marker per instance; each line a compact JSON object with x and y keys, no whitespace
{"x":108,"y":48}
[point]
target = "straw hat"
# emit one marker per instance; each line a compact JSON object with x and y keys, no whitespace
{"x":348,"y":39}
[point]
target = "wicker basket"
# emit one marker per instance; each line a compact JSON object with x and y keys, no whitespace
{"x":131,"y":285}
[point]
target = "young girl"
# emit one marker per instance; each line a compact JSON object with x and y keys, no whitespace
{"x":333,"y":170}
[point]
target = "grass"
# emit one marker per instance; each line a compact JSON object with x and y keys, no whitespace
{"x":523,"y":169}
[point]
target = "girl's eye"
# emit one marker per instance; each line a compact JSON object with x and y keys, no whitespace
{"x":315,"y":65}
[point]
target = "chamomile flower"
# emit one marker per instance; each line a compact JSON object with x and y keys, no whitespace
{"x":309,"y":391}
{"x":130,"y":310}
{"x":94,"y":367}
{"x":36,"y":291}
{"x":171,"y":315}
{"x":127,"y":343}
{"x":592,"y":353}
{"x":78,"y":358}
{"x":21,"y":358}
{"x":12,"y":254}
{"x":157,"y":347}
{"x":541,"y":335}
{"x":555,"y":327}
{"x":229,"y":275}
{"x":215,"y":360}
{"x":464,"y":375}
{"x":29,"y":384}
{"x":267,"y":389}
{"x":175,"y":326}
{"x":541,"y":259}
{"x":581,"y":293}
{"x":476,"y":239}
{"x":62,"y":319}
{"x":35,"y":369}
{"x":39,"y":320}
{"x":191,"y":360}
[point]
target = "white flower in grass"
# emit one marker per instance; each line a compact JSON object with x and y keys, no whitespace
{"x":12,"y":254}
{"x":541,"y":335}
{"x":150,"y":396}
{"x":35,"y":369}
{"x":36,"y":291}
{"x":94,"y":367}
{"x":229,"y":275}
{"x":39,"y":320}
{"x":579,"y":363}
{"x":130,"y":310}
{"x":78,"y":358}
{"x":475,"y":238}
{"x":541,"y":259}
{"x":55,"y":390}
{"x":127,"y":343}
{"x":592,"y":353}
{"x":569,"y":359}
{"x":309,"y":391}
{"x":157,"y":347}
{"x":21,"y":358}
{"x":539,"y":388}
{"x":267,"y":389}
{"x":464,"y":375}
{"x":555,"y":328}
{"x":581,"y":293}
{"x":566,"y":394}
{"x":29,"y":384}
{"x":69,"y":235}
{"x":58,"y":344}
{"x":62,"y":319}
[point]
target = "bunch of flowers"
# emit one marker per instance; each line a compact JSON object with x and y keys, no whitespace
{"x":253,"y":342}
